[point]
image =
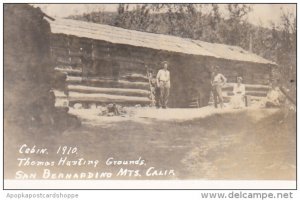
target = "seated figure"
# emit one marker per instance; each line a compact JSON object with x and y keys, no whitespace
{"x":274,"y":98}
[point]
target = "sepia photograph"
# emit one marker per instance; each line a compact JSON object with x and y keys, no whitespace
{"x":149,"y":93}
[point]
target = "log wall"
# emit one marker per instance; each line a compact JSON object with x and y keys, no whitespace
{"x":99,"y":72}
{"x":103,"y":72}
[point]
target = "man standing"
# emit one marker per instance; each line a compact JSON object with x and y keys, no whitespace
{"x":217,"y":82}
{"x":163,"y":81}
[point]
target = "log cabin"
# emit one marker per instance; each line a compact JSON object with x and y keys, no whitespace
{"x":107,"y":64}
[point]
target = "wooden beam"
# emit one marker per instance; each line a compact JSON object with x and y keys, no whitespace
{"x":73,"y":72}
{"x":114,"y":91}
{"x":248,"y":87}
{"x":106,"y":98}
{"x":136,"y":77}
{"x":101,"y":82}
{"x":251,"y":93}
{"x":74,"y":79}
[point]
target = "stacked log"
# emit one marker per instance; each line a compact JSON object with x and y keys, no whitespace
{"x":114,"y":91}
{"x":106,"y":82}
{"x":251,"y":90}
{"x":251,"y":93}
{"x":106,"y":90}
{"x":69,"y":71}
{"x":135,"y":77}
{"x":96,"y":90}
{"x":250,"y":87}
{"x":117,"y":70}
{"x":106,"y":98}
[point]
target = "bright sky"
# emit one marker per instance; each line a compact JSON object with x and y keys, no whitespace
{"x":262,"y":14}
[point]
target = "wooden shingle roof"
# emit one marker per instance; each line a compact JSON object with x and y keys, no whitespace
{"x":118,"y":35}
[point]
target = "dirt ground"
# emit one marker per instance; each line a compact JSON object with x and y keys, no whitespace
{"x":253,"y":144}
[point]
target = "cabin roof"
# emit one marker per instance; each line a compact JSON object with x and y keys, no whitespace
{"x":170,"y":43}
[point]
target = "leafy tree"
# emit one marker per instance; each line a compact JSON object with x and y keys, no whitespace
{"x":235,"y":30}
{"x":137,"y":19}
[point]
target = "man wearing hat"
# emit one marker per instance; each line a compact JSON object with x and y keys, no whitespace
{"x":163,"y":81}
{"x":217,"y":82}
